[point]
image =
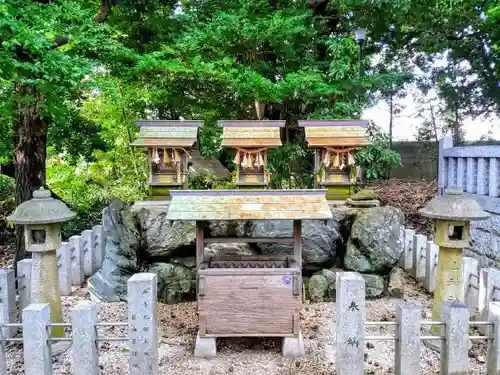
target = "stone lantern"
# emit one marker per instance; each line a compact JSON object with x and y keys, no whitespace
{"x":42,"y":217}
{"x":452,"y":214}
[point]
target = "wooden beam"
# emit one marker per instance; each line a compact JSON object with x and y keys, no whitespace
{"x":283,"y":240}
{"x":199,"y":243}
{"x":297,"y":242}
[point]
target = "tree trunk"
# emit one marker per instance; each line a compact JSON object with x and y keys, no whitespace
{"x":30,"y":139}
{"x":391,"y":118}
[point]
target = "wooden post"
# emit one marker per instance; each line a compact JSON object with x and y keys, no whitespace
{"x":297,"y":242}
{"x":199,"y":243}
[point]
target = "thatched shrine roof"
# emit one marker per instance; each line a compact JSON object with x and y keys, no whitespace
{"x":213,"y":205}
{"x":248,"y":133}
{"x":335,"y":133}
{"x":167,"y":133}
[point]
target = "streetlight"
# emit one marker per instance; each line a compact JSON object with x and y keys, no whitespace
{"x":360,"y":35}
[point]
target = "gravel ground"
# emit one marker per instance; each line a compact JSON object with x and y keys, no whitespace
{"x":177,"y":332}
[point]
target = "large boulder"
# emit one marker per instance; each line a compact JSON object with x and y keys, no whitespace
{"x":319,"y":240}
{"x":123,"y":243}
{"x":176,"y":280}
{"x":375,"y":244}
{"x":321,"y":286}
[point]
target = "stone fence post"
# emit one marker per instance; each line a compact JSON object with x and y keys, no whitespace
{"x":89,"y":257}
{"x":85,"y":353}
{"x":36,"y":345}
{"x":76,"y":251}
{"x":407,"y":351}
{"x":64,"y":269}
{"x":493,"y":365}
{"x":455,"y":348}
{"x":24,"y":283}
{"x":98,"y":244}
{"x":8,"y":310}
{"x":350,"y":343}
{"x":142,"y":329}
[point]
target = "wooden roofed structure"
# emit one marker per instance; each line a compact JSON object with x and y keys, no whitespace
{"x":251,"y":140}
{"x":335,"y":144}
{"x":249,"y":295}
{"x":168,"y":144}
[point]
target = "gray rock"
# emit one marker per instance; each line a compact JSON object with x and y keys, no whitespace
{"x":318,"y":239}
{"x":396,"y":282}
{"x":123,"y":243}
{"x":223,"y":249}
{"x":374,"y":285}
{"x":321,"y":286}
{"x":175,"y":281}
{"x":165,"y":238}
{"x":374,"y":245}
{"x":230,"y":228}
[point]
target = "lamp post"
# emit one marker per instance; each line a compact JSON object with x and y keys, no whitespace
{"x":452,"y":214}
{"x":42,"y":217}
{"x":360,"y":35}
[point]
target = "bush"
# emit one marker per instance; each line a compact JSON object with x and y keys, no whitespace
{"x":377,"y":159}
{"x":7,"y":205}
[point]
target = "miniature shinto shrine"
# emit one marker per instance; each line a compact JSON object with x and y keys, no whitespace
{"x":249,"y":295}
{"x":168,"y":143}
{"x":251,"y":140}
{"x":335,"y":144}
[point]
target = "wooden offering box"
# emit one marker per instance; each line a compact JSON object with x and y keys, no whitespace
{"x":251,"y":140}
{"x":335,"y":144}
{"x":249,"y":295}
{"x":168,"y":143}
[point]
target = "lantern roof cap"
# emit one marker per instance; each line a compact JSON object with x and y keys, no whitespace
{"x":41,"y":209}
{"x":454,"y":205}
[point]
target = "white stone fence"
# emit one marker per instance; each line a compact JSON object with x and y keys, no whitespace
{"x":420,"y":259}
{"x":37,"y":342}
{"x":77,"y":259}
{"x":454,"y":337}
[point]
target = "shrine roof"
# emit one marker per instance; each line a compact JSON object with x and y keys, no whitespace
{"x":213,"y":205}
{"x":251,"y":133}
{"x":167,"y":133}
{"x":335,"y":132}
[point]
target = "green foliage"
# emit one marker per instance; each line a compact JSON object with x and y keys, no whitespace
{"x":291,"y":166}
{"x":7,"y":202}
{"x":204,"y":180}
{"x":377,"y":159}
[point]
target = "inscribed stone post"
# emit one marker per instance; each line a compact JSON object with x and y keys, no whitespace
{"x":142,"y":330}
{"x":431,"y":261}
{"x":481,"y":176}
{"x":37,"y":353}
{"x":85,"y":353}
{"x":76,"y":251}
{"x":494,"y":178}
{"x":419,"y":245}
{"x":455,"y":348}
{"x":7,"y":301}
{"x":98,"y":244}
{"x":471,"y":181}
{"x":407,"y":361}
{"x":493,"y":365}
{"x":470,"y":269}
{"x":408,"y":249}
{"x":24,"y":283}
{"x":64,"y":269}
{"x":89,"y":257}
{"x":350,"y":293}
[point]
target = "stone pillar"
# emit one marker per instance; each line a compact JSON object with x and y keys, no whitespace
{"x":493,"y":366}
{"x":76,"y":251}
{"x":64,"y":269}
{"x":85,"y":353}
{"x":3,"y":356}
{"x":98,"y":244}
{"x":419,"y":246}
{"x":37,"y":354}
{"x":7,"y":301}
{"x":470,"y":269}
{"x":408,"y":249}
{"x":89,"y":257}
{"x":45,"y":286}
{"x":24,"y":283}
{"x":449,"y":285}
{"x":444,"y":143}
{"x":407,"y":361}
{"x":350,"y":293}
{"x":455,"y":349}
{"x":141,"y":296}
{"x":431,"y":262}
